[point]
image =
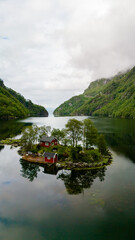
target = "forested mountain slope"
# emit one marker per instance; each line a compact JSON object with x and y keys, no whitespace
{"x":14,"y":105}
{"x":113,"y":97}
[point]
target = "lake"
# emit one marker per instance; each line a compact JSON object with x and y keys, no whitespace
{"x":41,"y":203}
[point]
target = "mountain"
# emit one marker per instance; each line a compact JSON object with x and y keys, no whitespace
{"x":114,"y":97}
{"x":13,"y":105}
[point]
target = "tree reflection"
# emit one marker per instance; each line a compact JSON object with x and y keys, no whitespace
{"x":29,"y":170}
{"x":1,"y":148}
{"x":76,"y":181}
{"x":52,"y":170}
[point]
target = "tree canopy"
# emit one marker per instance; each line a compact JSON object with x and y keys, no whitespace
{"x":90,"y":133}
{"x":74,"y":130}
{"x":76,"y":135}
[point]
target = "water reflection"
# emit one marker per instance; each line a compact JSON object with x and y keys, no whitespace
{"x":122,"y":143}
{"x":76,"y":181}
{"x":52,"y":170}
{"x":29,"y":170}
{"x":11,"y":128}
{"x":120,"y":135}
{"x":1,"y":148}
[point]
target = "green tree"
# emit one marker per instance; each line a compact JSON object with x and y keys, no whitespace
{"x":30,"y":137}
{"x":44,"y":130}
{"x":74,"y":131}
{"x":90,"y":133}
{"x":102,"y":144}
{"x":59,"y":134}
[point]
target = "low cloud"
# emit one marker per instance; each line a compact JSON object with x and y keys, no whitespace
{"x":51,"y":50}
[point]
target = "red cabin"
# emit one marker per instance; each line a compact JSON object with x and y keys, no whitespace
{"x":50,"y":157}
{"x":48,"y":141}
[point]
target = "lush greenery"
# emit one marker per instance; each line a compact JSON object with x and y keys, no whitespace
{"x":13,"y":105}
{"x":114,"y":97}
{"x":79,"y":141}
{"x":68,"y":107}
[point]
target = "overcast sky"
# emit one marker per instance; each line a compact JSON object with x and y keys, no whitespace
{"x":51,"y":50}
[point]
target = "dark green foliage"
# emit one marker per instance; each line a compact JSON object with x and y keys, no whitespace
{"x":69,"y":106}
{"x":74,"y":154}
{"x":13,"y":105}
{"x":76,"y":181}
{"x":9,"y":130}
{"x":113,"y":97}
{"x":29,"y":170}
{"x":1,"y":83}
{"x":10,"y":107}
{"x":95,"y":155}
{"x":34,"y":109}
{"x":59,"y":134}
{"x":90,"y":133}
{"x":102,"y":145}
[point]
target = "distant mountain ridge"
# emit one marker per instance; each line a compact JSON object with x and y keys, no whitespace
{"x":114,"y":97}
{"x":13,"y":105}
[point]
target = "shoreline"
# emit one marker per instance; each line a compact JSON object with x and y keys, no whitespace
{"x":68,"y":165}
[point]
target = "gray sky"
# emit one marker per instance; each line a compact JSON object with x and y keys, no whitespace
{"x":51,"y":50}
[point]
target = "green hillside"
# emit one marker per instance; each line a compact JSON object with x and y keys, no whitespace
{"x":34,"y":109}
{"x":96,"y":87}
{"x":69,"y":106}
{"x":13,"y":105}
{"x":113,"y":97}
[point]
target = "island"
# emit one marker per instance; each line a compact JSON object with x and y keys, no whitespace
{"x":77,"y":146}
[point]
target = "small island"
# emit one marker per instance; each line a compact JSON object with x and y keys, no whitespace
{"x":77,"y":146}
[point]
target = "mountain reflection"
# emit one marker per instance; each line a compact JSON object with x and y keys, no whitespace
{"x":11,"y":128}
{"x":122,"y":143}
{"x":119,"y":134}
{"x":76,"y":181}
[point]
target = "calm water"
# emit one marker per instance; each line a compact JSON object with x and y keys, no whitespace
{"x":40,"y":203}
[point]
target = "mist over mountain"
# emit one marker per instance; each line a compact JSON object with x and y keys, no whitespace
{"x":113,"y":97}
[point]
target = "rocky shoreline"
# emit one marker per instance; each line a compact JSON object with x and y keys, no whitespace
{"x":68,"y":165}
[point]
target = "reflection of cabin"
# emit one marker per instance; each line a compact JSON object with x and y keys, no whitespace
{"x":48,"y":141}
{"x":50,"y":157}
{"x":52,"y":170}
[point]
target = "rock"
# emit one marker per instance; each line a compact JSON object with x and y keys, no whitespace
{"x":58,"y":165}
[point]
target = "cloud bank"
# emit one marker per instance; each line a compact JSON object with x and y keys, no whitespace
{"x":51,"y":50}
